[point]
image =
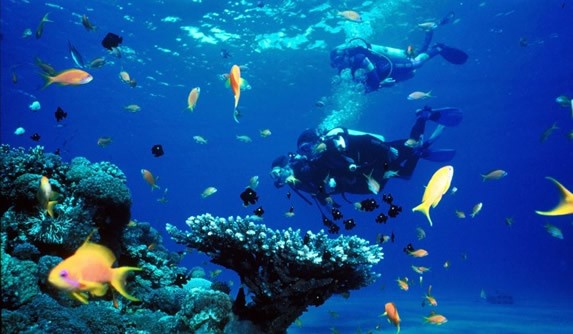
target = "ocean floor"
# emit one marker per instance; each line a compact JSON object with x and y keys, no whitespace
{"x":472,"y":316}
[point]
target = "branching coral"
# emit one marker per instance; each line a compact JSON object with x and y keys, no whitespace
{"x":284,"y":271}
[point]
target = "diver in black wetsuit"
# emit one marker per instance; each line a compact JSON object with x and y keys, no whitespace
{"x":341,"y":160}
{"x":378,"y":66}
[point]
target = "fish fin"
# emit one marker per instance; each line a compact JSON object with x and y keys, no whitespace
{"x":95,"y":288}
{"x":244,"y":84}
{"x":50,"y":208}
{"x":81,"y":296}
{"x":118,"y":281}
{"x":565,"y":205}
{"x":425,"y":209}
{"x":228,"y":83}
{"x":48,"y":80}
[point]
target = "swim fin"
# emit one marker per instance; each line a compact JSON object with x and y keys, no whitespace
{"x":440,"y":155}
{"x":453,"y":55}
{"x":445,"y":116}
{"x":448,"y":18}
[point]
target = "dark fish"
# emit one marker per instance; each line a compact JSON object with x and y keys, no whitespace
{"x":249,"y":196}
{"x":392,"y":237}
{"x":349,"y":224}
{"x":409,"y":249}
{"x":87,"y":24}
{"x":35,"y":137}
{"x":260,"y":4}
{"x":60,"y":114}
{"x":388,"y":198}
{"x":369,"y":205}
{"x":40,"y":29}
{"x":45,"y":67}
{"x":76,"y":56}
{"x":225,"y":53}
{"x":332,"y":227}
{"x":381,"y":218}
{"x":111,"y":41}
{"x":288,"y":194}
{"x":336,"y":214}
{"x":394,"y":210}
{"x":259,"y":212}
{"x":291,"y":210}
{"x":57,"y":151}
{"x":157,"y":150}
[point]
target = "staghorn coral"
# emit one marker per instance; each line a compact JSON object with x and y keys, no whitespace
{"x":284,"y":271}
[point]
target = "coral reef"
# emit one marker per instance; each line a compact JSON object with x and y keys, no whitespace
{"x":283,"y":271}
{"x":32,"y":243}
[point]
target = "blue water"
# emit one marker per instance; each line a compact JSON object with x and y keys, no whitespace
{"x":507,"y":93}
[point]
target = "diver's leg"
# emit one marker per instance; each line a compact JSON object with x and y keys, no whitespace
{"x":427,"y":40}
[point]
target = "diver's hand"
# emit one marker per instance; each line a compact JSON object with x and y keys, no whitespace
{"x":387,"y":82}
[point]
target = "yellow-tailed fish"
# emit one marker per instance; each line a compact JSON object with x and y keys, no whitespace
{"x":235,"y":81}
{"x":71,"y":77}
{"x":436,"y":188}
{"x":46,"y":196}
{"x":90,"y":270}
{"x":565,"y":205}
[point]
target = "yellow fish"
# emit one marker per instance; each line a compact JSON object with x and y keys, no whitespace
{"x":373,"y":185}
{"x":46,"y":196}
{"x":436,"y":188}
{"x":71,"y":77}
{"x":477,"y":208}
{"x":208,"y":192}
{"x":89,"y":270}
{"x":565,"y":205}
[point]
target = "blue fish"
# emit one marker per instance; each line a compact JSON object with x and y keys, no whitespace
{"x":76,"y":56}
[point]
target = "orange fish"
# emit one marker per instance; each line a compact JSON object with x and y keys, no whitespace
{"x":235,"y":81}
{"x":46,"y":196}
{"x":391,"y":312}
{"x":431,"y":300}
{"x":403,"y":283}
{"x":435,"y":319}
{"x":149,"y":178}
{"x":89,"y":271}
{"x":71,"y":77}
{"x":418,"y":253}
{"x":193,"y":98}
{"x":351,"y":15}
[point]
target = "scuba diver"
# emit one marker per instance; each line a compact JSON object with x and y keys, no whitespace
{"x":377,"y":66}
{"x":348,"y":161}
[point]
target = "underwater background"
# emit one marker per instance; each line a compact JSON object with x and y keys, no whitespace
{"x":520,"y":62}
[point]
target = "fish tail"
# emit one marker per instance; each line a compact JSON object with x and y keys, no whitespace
{"x":48,"y":80}
{"x":118,"y":281}
{"x":398,"y":329}
{"x":50,"y":208}
{"x":425,"y":209}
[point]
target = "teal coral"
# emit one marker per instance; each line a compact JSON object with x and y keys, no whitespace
{"x":284,"y":271}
